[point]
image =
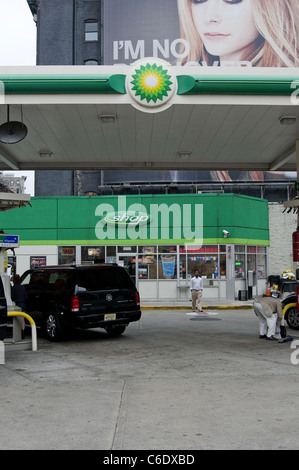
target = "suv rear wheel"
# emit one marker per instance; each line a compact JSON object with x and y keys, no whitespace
{"x":53,"y":327}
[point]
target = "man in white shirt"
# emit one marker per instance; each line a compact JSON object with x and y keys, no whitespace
{"x":196,"y":288}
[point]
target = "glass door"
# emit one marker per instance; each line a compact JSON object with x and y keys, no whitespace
{"x":128,"y":261}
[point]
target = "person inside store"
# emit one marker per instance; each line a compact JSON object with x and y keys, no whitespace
{"x":19,"y":296}
{"x":269,"y":312}
{"x":196,"y":288}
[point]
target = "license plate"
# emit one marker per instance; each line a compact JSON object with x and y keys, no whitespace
{"x":110,"y":316}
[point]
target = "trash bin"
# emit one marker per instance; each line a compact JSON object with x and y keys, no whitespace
{"x":274,"y":279}
{"x":242,"y":295}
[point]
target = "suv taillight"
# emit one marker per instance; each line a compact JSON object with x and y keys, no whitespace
{"x":75,"y":303}
{"x":137,"y":298}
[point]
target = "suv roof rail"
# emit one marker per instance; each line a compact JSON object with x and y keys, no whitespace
{"x":87,"y":265}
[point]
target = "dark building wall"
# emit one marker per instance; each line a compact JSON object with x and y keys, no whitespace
{"x":87,"y":50}
{"x":54,"y":183}
{"x":66,"y":182}
{"x":61,"y":32}
{"x":61,"y":41}
{"x":55,"y":32}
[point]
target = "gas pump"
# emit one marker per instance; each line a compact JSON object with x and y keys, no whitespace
{"x":7,"y":242}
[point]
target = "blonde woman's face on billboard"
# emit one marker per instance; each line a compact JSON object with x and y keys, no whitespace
{"x":226,"y":27}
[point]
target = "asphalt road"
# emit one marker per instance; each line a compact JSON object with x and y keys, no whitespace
{"x":172,"y":381}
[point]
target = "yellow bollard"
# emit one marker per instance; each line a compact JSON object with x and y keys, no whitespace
{"x":32,"y":323}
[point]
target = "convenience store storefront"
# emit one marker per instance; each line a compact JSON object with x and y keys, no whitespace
{"x":159,"y":239}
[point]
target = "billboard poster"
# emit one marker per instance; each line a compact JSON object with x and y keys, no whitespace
{"x":196,"y":176}
{"x":136,"y":29}
{"x":247,"y":33}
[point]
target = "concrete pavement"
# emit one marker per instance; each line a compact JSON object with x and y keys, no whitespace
{"x":172,"y":381}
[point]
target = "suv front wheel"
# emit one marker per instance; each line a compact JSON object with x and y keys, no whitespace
{"x":292,"y":316}
{"x":53,"y":327}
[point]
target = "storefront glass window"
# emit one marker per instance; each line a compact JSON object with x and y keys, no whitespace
{"x":183,"y":271}
{"x":211,"y":248}
{"x":251,"y":266}
{"x":191,"y":249}
{"x":206,"y":265}
{"x":93,"y":254}
{"x":222,"y":266}
{"x":127,"y":249}
{"x":66,"y":254}
{"x":147,"y":249}
{"x":160,"y":262}
{"x":254,"y":260}
{"x":111,"y":254}
{"x":129,"y":263}
{"x":147,"y":266}
{"x":167,"y":249}
{"x":167,"y":266}
{"x":240,"y":266}
{"x":199,"y":248}
{"x":261,"y":266}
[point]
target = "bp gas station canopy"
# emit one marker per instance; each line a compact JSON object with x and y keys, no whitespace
{"x":151,"y":116}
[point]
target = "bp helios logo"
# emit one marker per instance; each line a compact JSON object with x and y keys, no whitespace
{"x":125,"y":218}
{"x":151,"y":84}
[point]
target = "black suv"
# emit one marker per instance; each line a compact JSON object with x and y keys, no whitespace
{"x":87,"y":296}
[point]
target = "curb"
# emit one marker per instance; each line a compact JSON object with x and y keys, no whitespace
{"x":207,"y":307}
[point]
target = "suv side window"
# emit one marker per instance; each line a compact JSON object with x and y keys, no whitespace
{"x":59,"y":281}
{"x":26,"y":280}
{"x":38,"y":282}
{"x":102,"y":279}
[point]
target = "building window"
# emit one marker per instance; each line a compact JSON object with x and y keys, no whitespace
{"x":167,"y":266}
{"x":93,"y":254}
{"x":66,"y":255}
{"x":91,"y":62}
{"x":254,"y":259}
{"x":91,"y":30}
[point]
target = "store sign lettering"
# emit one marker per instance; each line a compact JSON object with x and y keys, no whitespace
{"x":159,"y":222}
{"x":68,"y":251}
{"x":126,"y":218}
{"x":127,"y":50}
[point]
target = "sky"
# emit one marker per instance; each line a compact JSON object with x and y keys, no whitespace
{"x":18,"y":47}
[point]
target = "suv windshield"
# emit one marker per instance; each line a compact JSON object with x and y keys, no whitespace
{"x":102,"y":279}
